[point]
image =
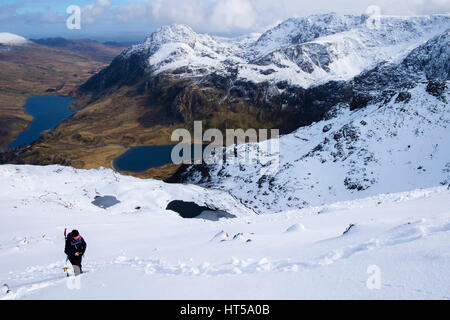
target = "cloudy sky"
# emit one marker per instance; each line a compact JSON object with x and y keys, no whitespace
{"x":133,"y":19}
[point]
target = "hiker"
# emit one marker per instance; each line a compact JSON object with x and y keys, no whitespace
{"x":75,"y":248}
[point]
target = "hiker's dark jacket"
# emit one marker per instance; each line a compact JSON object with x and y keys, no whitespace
{"x":73,"y":246}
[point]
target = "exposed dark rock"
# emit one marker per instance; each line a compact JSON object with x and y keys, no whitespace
{"x":267,"y":72}
{"x":191,"y":210}
{"x":354,"y":185}
{"x":437,"y":89}
{"x":327,"y":128}
{"x":122,"y":71}
{"x":403,"y":96}
{"x":360,"y":101}
{"x":348,"y":228}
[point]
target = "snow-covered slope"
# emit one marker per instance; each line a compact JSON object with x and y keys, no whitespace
{"x":430,"y":60}
{"x":10,"y":39}
{"x":154,"y":254}
{"x":295,"y":31}
{"x":395,"y":145}
{"x":304,"y":51}
{"x":76,"y":189}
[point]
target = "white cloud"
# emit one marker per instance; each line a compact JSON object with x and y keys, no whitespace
{"x":413,"y":7}
{"x":212,"y":16}
{"x":209,"y":16}
{"x":93,"y":12}
{"x":236,"y":16}
{"x":233,"y":14}
{"x":48,"y":17}
{"x":133,"y":11}
{"x":193,"y":12}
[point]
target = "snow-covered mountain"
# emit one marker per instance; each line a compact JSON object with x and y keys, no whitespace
{"x":288,"y":77}
{"x":10,"y":39}
{"x":430,"y":60}
{"x":325,"y":252}
{"x":398,"y":144}
{"x":384,"y":129}
{"x":304,"y":51}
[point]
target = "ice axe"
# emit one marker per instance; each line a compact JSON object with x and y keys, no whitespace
{"x":66,"y":269}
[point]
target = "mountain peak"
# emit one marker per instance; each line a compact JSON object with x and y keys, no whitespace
{"x":173,"y":33}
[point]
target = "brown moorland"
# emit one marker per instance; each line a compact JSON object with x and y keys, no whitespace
{"x":35,"y":69}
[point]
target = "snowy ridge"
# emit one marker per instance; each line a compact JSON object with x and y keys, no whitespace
{"x":304,"y":51}
{"x":428,"y":61}
{"x":138,"y":255}
{"x":300,"y":30}
{"x":344,"y":55}
{"x":395,"y":145}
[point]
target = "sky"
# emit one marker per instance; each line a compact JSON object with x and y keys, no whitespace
{"x":134,"y":19}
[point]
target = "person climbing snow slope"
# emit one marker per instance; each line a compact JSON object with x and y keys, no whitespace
{"x":75,"y":249}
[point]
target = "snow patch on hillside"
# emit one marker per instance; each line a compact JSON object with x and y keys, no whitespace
{"x":10,"y":39}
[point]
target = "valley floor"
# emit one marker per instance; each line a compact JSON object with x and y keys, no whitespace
{"x":151,"y":253}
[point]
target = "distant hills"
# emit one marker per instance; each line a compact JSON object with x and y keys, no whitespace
{"x":104,"y":52}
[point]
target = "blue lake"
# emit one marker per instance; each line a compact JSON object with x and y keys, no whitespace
{"x":140,"y":159}
{"x":48,"y":113}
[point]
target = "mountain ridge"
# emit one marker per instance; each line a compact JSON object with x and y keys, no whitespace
{"x":332,"y":36}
